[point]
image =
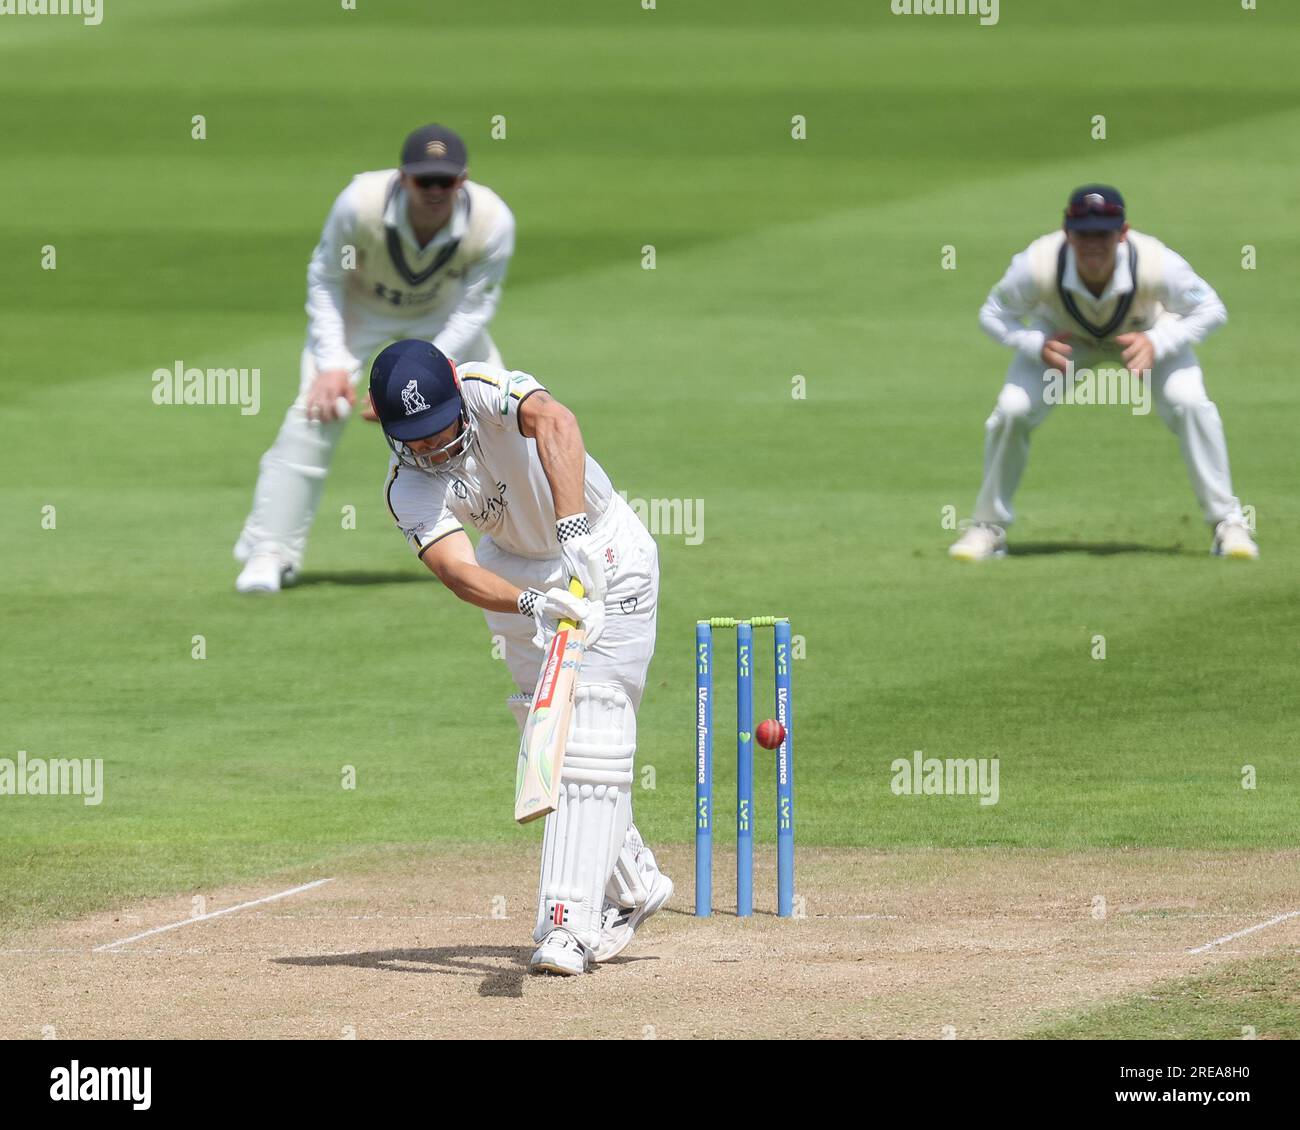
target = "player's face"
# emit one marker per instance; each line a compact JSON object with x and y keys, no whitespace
{"x":432,"y":195}
{"x":437,"y":442}
{"x":1094,"y":251}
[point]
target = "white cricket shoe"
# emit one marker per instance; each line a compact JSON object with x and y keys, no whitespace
{"x":979,"y":542}
{"x":1232,"y":539}
{"x":265,"y":572}
{"x":620,"y":923}
{"x":560,"y":952}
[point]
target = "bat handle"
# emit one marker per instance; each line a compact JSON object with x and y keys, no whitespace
{"x":575,"y":587}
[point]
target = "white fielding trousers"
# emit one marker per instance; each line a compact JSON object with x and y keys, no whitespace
{"x":1178,"y":389}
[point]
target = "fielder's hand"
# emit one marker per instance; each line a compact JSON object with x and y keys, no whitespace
{"x":325,"y":392}
{"x":550,"y":607}
{"x":1139,"y":353}
{"x":1056,"y":353}
{"x":582,"y":558}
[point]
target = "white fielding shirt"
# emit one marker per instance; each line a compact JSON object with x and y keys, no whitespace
{"x":500,"y":487}
{"x":1186,"y":309}
{"x":351,"y":312}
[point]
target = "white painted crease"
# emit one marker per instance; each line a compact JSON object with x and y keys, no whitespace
{"x":213,"y":914}
{"x":1247,"y":930}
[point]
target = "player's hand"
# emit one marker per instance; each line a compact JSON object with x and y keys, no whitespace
{"x":322,"y":398}
{"x":1139,"y":352}
{"x":582,"y":557}
{"x":549,"y":607}
{"x":1056,"y":350}
{"x":368,"y":410}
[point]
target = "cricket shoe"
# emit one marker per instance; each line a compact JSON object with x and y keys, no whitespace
{"x":979,"y":542}
{"x":560,"y":952}
{"x":1232,"y":539}
{"x":620,"y":923}
{"x":264,"y":572}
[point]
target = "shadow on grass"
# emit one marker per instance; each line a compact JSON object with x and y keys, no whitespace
{"x":358,"y":577}
{"x":1095,"y":548}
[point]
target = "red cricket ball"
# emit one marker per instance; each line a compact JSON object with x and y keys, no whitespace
{"x":770,"y":733}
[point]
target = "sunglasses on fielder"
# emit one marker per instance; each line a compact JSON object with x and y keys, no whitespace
{"x":435,"y":181}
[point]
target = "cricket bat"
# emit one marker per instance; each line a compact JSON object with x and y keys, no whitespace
{"x":546,"y":733}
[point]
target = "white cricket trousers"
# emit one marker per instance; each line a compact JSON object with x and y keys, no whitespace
{"x":292,"y":472}
{"x":1179,"y":393}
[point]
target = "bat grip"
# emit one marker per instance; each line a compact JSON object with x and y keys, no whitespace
{"x":575,"y":587}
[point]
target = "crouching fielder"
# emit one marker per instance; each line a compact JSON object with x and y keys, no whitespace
{"x":486,"y":447}
{"x":1097,"y":289}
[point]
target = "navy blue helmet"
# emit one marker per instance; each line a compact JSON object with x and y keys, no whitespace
{"x":416,"y":394}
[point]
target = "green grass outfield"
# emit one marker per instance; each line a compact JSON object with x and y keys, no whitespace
{"x":1252,"y":999}
{"x":775,"y":257}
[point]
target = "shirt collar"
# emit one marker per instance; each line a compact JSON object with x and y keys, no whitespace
{"x":1120,"y":282}
{"x":397,"y":217}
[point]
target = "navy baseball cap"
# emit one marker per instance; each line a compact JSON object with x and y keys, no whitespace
{"x":414,"y":391}
{"x":433,"y":151}
{"x":1095,"y":207}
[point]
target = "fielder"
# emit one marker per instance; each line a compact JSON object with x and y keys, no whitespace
{"x":1093,"y":291}
{"x":412,"y":252}
{"x":478,"y":445}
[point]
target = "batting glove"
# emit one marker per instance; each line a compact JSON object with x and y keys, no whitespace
{"x":582,"y":558}
{"x":548,"y":608}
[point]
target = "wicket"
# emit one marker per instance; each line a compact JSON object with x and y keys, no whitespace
{"x":780,"y":626}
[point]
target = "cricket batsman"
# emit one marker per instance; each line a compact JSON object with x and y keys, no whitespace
{"x":416,"y":251}
{"x":1097,"y":290}
{"x":482,"y":446}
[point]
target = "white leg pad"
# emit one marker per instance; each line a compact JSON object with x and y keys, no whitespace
{"x":585,"y":833}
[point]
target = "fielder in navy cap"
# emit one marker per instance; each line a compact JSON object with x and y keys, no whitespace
{"x":416,"y":252}
{"x":1072,"y":304}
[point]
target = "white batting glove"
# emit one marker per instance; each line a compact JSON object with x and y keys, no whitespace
{"x":550,"y":607}
{"x":582,"y":558}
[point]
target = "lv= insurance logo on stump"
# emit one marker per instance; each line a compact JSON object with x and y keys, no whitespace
{"x":772,"y":734}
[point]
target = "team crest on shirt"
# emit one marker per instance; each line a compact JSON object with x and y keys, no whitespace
{"x":412,"y":401}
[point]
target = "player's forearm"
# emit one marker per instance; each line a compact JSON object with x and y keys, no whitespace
{"x":466,"y":323}
{"x":564,"y":459}
{"x":325,"y":328}
{"x":482,"y":293}
{"x":1007,"y":330}
{"x":479,"y":587}
{"x":1171,"y":332}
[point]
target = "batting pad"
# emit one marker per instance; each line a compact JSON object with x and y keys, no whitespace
{"x":585,"y":832}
